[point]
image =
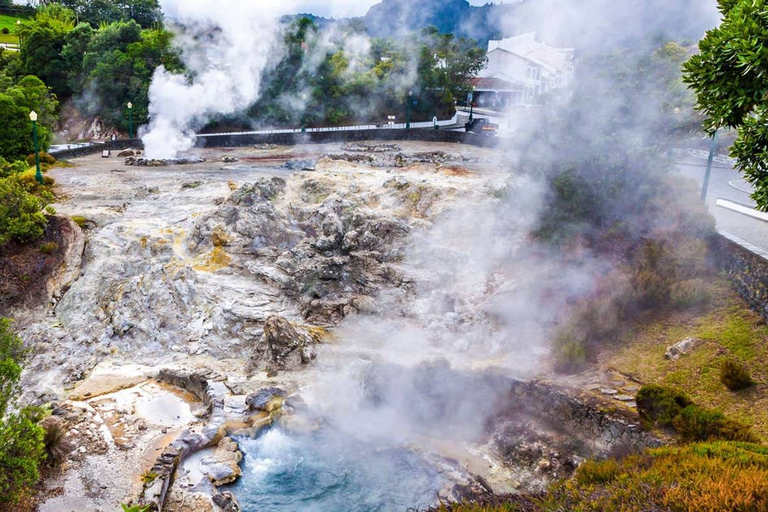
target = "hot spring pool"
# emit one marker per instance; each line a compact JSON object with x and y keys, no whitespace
{"x":321,"y":472}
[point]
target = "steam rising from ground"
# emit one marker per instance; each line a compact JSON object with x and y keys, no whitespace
{"x":226,"y":47}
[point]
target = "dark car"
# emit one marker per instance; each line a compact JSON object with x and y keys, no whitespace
{"x":481,"y":126}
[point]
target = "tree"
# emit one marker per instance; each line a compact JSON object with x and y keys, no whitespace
{"x":728,"y":77}
{"x":16,"y":102}
{"x":99,"y":12}
{"x":21,"y":214}
{"x":43,"y":40}
{"x":21,"y":438}
{"x":119,"y":65}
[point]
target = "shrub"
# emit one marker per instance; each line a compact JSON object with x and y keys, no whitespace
{"x":57,"y":447}
{"x":6,"y":31}
{"x":134,"y":508}
{"x":696,"y":423}
{"x":570,"y":349}
{"x":46,"y":159}
{"x":29,"y":179}
{"x":659,"y":405}
{"x":707,"y":477}
{"x":692,"y":292}
{"x":21,"y":438}
{"x":735,"y":375}
{"x":49,"y":248}
{"x":9,"y":168}
{"x":653,"y":274}
{"x":21,"y":213}
{"x":598,"y":472}
{"x":79,"y":220}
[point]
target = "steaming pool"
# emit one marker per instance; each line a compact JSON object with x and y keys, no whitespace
{"x":319,"y":472}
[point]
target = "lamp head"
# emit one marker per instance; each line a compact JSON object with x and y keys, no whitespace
{"x":130,"y":105}
{"x":410,"y":93}
{"x":33,"y":116}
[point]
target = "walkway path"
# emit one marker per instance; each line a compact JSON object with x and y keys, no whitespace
{"x":727,"y":183}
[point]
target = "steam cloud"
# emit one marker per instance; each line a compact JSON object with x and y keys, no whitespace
{"x":493,"y":295}
{"x":226,"y":48}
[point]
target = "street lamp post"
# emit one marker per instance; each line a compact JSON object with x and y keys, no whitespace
{"x":408,"y":111}
{"x":472,"y":105}
{"x":38,"y":174}
{"x":712,"y":147}
{"x":130,"y":120}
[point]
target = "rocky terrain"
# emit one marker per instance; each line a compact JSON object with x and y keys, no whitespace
{"x":237,"y":288}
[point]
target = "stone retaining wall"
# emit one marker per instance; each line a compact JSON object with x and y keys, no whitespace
{"x":291,"y":139}
{"x":747,"y":268}
{"x":117,"y":145}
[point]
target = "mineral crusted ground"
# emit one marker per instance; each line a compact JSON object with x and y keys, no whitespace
{"x":239,"y":268}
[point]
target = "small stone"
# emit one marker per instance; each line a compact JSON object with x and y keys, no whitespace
{"x":680,"y":348}
{"x":624,"y":398}
{"x":609,"y":391}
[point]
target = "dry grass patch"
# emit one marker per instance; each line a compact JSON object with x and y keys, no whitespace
{"x":728,"y":330}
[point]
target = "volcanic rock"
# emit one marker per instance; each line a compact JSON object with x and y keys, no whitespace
{"x":282,"y":346}
{"x":266,"y":399}
{"x":680,"y":348}
{"x":299,"y":165}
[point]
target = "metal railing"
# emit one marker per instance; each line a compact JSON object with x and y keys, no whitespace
{"x":364,"y":127}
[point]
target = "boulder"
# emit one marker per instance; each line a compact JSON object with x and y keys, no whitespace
{"x":226,"y":502}
{"x":223,"y":466}
{"x":299,"y":165}
{"x":283,"y":346}
{"x":126,"y":153}
{"x":680,"y":348}
{"x":266,"y":400}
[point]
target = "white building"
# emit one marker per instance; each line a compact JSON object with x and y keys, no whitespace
{"x":529,"y":67}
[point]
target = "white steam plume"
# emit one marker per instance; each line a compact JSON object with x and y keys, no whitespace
{"x":226,"y":46}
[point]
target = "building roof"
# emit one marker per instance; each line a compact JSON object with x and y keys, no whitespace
{"x":526,"y":46}
{"x":496,"y":84}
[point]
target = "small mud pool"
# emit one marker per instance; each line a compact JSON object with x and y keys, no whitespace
{"x":320,"y":472}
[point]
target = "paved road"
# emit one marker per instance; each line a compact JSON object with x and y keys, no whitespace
{"x":726,"y":183}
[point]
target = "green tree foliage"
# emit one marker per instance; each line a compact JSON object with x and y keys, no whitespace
{"x":319,"y":80}
{"x":16,"y":102}
{"x":99,"y":12}
{"x":21,"y":212}
{"x":42,"y":41}
{"x":21,"y":438}
{"x":446,"y":66}
{"x":728,"y":77}
{"x":118,"y":68}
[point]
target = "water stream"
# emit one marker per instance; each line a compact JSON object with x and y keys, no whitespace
{"x":325,"y":472}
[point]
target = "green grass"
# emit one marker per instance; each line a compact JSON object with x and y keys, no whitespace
{"x":728,"y":330}
{"x":8,"y":22}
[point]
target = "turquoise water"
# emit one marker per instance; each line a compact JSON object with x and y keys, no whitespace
{"x":323,"y":472}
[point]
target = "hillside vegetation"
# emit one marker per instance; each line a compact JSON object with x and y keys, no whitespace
{"x":705,"y":477}
{"x":8,"y":22}
{"x":724,"y":330}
